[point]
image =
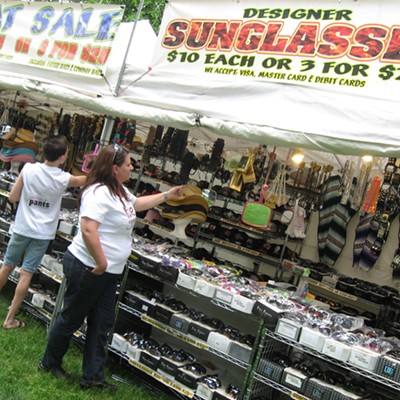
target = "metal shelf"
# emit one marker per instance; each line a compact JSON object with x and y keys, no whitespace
{"x":181,"y":336}
{"x":240,"y":249}
{"x":319,"y":288}
{"x":281,"y":388}
{"x":132,"y":266}
{"x":366,"y":374}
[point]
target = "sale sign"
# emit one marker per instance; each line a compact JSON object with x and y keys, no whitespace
{"x":67,"y":37}
{"x":345,"y":45}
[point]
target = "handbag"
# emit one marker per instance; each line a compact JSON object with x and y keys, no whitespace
{"x":256,"y":213}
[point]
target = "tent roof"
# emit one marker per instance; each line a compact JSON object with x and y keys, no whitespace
{"x":271,"y":113}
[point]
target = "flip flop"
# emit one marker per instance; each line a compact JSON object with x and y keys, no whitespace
{"x":20,"y":324}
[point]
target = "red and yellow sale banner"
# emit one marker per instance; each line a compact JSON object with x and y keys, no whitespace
{"x":73,"y":38}
{"x":343,"y":44}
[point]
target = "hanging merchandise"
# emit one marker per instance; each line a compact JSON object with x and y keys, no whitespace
{"x":296,"y":227}
{"x":362,"y":184}
{"x":2,"y":111}
{"x":156,"y":142}
{"x":178,"y":143}
{"x":312,"y":179}
{"x":365,"y":236}
{"x":89,"y":159}
{"x":216,"y":158}
{"x":371,"y":199}
{"x":395,"y":265}
{"x":379,"y":210}
{"x":165,"y":142}
{"x":347,"y":180}
{"x":367,"y":228}
{"x":257,"y":214}
{"x":275,"y":195}
{"x":333,"y":219}
{"x":124,"y":132}
{"x":243,"y":173}
{"x":189,"y":163}
{"x":20,"y":148}
{"x":4,"y":119}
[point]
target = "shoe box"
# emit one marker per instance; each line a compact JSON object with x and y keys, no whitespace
{"x":268,"y":312}
{"x":240,"y":351}
{"x":65,"y":227}
{"x":38,"y":300}
{"x":317,"y":389}
{"x":167,"y":273}
{"x":270,"y":370}
{"x":49,"y":305}
{"x":190,"y":380}
{"x":138,"y":302}
{"x":180,"y":323}
{"x":149,"y":360}
{"x":288,"y":328}
{"x":221,"y":394}
{"x":186,"y":378}
{"x":312,"y":339}
{"x":205,"y":288}
{"x":15,"y":273}
{"x":119,"y":343}
{"x":149,"y":264}
{"x":162,"y":314}
{"x":339,"y":351}
{"x":294,"y":379}
{"x":364,"y":358}
{"x":186,"y":281}
{"x":389,"y":367}
{"x":168,"y":367}
{"x":204,"y":392}
{"x":243,"y":304}
{"x":29,"y":295}
{"x":199,"y":330}
{"x":47,"y":261}
{"x":219,"y":342}
{"x":223,"y":295}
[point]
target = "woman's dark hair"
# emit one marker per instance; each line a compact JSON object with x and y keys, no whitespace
{"x":102,"y":170}
{"x":54,"y":147}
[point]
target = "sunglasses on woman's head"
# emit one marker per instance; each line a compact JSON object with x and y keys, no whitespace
{"x":117,"y":148}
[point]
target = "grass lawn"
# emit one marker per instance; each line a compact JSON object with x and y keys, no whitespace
{"x":20,"y":379}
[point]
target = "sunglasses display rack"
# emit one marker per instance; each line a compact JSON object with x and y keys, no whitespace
{"x":167,"y":313}
{"x":359,"y":305}
{"x":304,"y":373}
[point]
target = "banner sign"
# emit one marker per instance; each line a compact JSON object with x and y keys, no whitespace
{"x":72,"y":38}
{"x":343,"y":44}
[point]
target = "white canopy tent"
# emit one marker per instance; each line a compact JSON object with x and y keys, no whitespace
{"x":338,"y":119}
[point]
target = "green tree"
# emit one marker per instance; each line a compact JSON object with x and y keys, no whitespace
{"x":152,"y":10}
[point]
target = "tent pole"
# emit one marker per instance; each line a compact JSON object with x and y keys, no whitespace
{"x":106,"y":132}
{"x":108,"y":123}
{"x":121,"y":72}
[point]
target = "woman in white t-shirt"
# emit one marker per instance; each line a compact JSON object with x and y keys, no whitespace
{"x":94,"y":262}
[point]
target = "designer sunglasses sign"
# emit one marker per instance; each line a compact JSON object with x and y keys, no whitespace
{"x":341,"y":43}
{"x":69,"y":37}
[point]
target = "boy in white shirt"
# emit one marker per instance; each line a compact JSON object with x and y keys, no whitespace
{"x":38,"y":189}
